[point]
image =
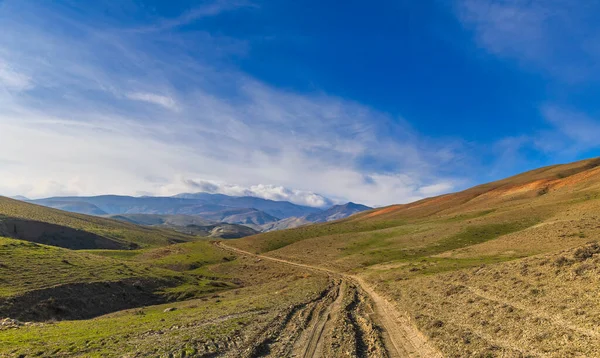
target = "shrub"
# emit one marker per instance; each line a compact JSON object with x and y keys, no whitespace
{"x":586,"y":252}
{"x":562,"y":261}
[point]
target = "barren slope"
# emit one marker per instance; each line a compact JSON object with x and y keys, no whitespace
{"x":495,"y":270}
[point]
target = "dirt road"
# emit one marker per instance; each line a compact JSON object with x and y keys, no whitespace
{"x":400,"y":336}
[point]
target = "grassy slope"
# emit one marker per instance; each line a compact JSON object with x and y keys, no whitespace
{"x":269,"y":289}
{"x":496,"y":270}
{"x":461,"y":264}
{"x":511,"y":208}
{"x":223,"y":293}
{"x":112,"y":229}
{"x":26,"y":266}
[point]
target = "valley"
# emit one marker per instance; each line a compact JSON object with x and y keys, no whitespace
{"x":505,"y":269}
{"x":299,"y":179}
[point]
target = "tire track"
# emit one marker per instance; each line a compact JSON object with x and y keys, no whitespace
{"x":314,"y":347}
{"x":402,"y":337}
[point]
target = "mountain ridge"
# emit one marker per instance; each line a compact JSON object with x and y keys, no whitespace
{"x":257,"y":213}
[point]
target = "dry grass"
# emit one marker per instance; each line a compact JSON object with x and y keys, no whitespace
{"x":545,"y":305}
{"x":499,"y":270}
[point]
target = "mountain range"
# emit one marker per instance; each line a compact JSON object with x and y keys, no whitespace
{"x":335,"y":212}
{"x":504,"y":269}
{"x":188,"y":224}
{"x":256,"y":213}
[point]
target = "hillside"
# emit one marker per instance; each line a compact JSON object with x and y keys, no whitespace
{"x":190,"y":299}
{"x":50,"y":226}
{"x":473,"y":269}
{"x":504,"y":269}
{"x":335,"y":212}
{"x":534,"y":196}
{"x":188,"y":224}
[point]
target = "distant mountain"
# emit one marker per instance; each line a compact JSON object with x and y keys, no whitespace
{"x":193,"y":225}
{"x":257,"y":213}
{"x":280,"y":209}
{"x":245,"y":216}
{"x":156,"y":219}
{"x":189,"y":204}
{"x":336,"y":212}
{"x":80,"y":207}
{"x":283,"y":224}
{"x":114,"y":204}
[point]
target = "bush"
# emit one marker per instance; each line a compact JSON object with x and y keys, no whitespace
{"x":586,"y":252}
{"x":562,"y":261}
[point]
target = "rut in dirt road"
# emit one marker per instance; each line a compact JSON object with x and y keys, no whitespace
{"x":287,"y":332}
{"x":355,"y":322}
{"x":312,"y":345}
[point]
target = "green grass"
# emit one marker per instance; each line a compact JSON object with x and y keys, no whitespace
{"x":181,"y":257}
{"x":383,"y":238}
{"x":468,"y":216}
{"x":116,"y":254}
{"x":111,"y":229}
{"x":473,"y":235}
{"x":380,"y":252}
{"x":197,"y":321}
{"x":26,"y":266}
{"x":271,"y":241}
{"x":376,"y":239}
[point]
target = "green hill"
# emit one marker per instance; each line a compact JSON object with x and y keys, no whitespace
{"x":51,"y":226}
{"x":445,"y":223}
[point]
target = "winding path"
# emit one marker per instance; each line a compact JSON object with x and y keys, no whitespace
{"x":402,"y":338}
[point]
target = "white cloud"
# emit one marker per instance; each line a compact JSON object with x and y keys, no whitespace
{"x":558,"y":37}
{"x":576,"y":126}
{"x":206,"y":10}
{"x":87,"y":129}
{"x":164,"y":101}
{"x":570,"y":132}
{"x":12,"y":79}
{"x":436,"y":189}
{"x":265,"y":191}
{"x":567,"y":136}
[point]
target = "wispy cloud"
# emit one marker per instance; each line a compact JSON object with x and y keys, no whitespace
{"x":571,"y":130}
{"x":557,"y":37}
{"x":88,"y":129}
{"x":206,"y":10}
{"x":13,"y":80}
{"x":164,"y":101}
{"x":567,"y":134}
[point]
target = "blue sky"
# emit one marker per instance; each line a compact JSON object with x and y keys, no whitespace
{"x":310,"y":101}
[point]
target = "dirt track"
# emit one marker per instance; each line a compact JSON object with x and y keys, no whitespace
{"x":314,"y":346}
{"x":379,"y":328}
